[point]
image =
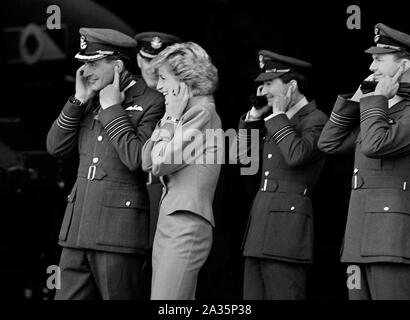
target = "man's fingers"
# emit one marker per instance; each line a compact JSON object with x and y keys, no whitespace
{"x":289,"y":92}
{"x":259,"y":90}
{"x":398,"y":73}
{"x":80,"y":70}
{"x":116,"y":81}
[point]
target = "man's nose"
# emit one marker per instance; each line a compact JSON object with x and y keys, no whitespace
{"x":373,"y":66}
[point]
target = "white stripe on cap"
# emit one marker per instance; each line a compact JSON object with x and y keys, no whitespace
{"x":146,"y":54}
{"x":388,"y":46}
{"x":100,"y":54}
{"x":277,"y":70}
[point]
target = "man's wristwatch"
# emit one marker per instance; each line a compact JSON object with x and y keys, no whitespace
{"x":75,"y":101}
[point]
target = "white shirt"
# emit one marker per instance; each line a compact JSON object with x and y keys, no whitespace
{"x":394,"y":100}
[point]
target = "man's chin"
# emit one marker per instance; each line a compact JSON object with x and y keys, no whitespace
{"x":96,"y":87}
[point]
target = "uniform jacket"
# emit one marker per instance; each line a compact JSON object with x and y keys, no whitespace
{"x":173,"y":153}
{"x":378,"y":222}
{"x":108,"y":207}
{"x":280,"y":225}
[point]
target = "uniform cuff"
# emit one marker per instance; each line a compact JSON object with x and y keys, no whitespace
{"x":373,"y":106}
{"x":345,"y":113}
{"x":70,"y":117}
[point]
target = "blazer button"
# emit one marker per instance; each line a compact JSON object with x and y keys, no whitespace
{"x":266,"y":173}
{"x":95,"y":160}
{"x":292,"y":208}
{"x":128,"y":203}
{"x":269,"y":155}
{"x":356,"y":170}
{"x":386,"y":208}
{"x":100,"y":138}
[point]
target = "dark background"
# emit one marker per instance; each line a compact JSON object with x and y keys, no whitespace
{"x":232,"y":32}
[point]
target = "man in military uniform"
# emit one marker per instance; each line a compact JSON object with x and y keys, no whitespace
{"x":150,"y":44}
{"x":105,"y":230}
{"x":278,"y":242}
{"x":375,"y":124}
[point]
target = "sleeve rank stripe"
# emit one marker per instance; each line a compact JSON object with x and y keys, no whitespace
{"x":343,"y":123}
{"x":114,"y":121}
{"x":120,"y":129}
{"x":374,"y":113}
{"x":278,"y":140}
{"x":279,"y":132}
{"x":371,"y":116}
{"x":342,"y":117}
{"x":66,"y":126}
{"x":115,"y":125}
{"x":68,"y":118}
{"x":284,"y":133}
{"x":373,"y":110}
{"x":72,"y":128}
{"x":67,"y":123}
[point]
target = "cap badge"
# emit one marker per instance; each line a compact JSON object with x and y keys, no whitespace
{"x":261,"y":62}
{"x":83,"y":43}
{"x":376,"y":38}
{"x":156,"y":43}
{"x":377,"y":35}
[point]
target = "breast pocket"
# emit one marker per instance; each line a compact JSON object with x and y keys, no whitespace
{"x":289,"y":231}
{"x":125,"y":220}
{"x":386,"y":229}
{"x":135,"y":117}
{"x":85,"y":134}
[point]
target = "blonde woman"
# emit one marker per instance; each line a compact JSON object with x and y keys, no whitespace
{"x":182,"y":150}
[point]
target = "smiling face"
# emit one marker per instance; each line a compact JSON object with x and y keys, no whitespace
{"x":166,"y":80}
{"x":272,"y":88}
{"x":99,"y":73}
{"x":384,"y":65}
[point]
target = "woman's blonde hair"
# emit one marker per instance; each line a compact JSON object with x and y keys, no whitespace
{"x":189,"y":63}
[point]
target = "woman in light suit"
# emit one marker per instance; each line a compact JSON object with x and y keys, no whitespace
{"x":186,"y":151}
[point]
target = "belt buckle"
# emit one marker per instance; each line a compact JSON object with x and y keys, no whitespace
{"x":91,"y":172}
